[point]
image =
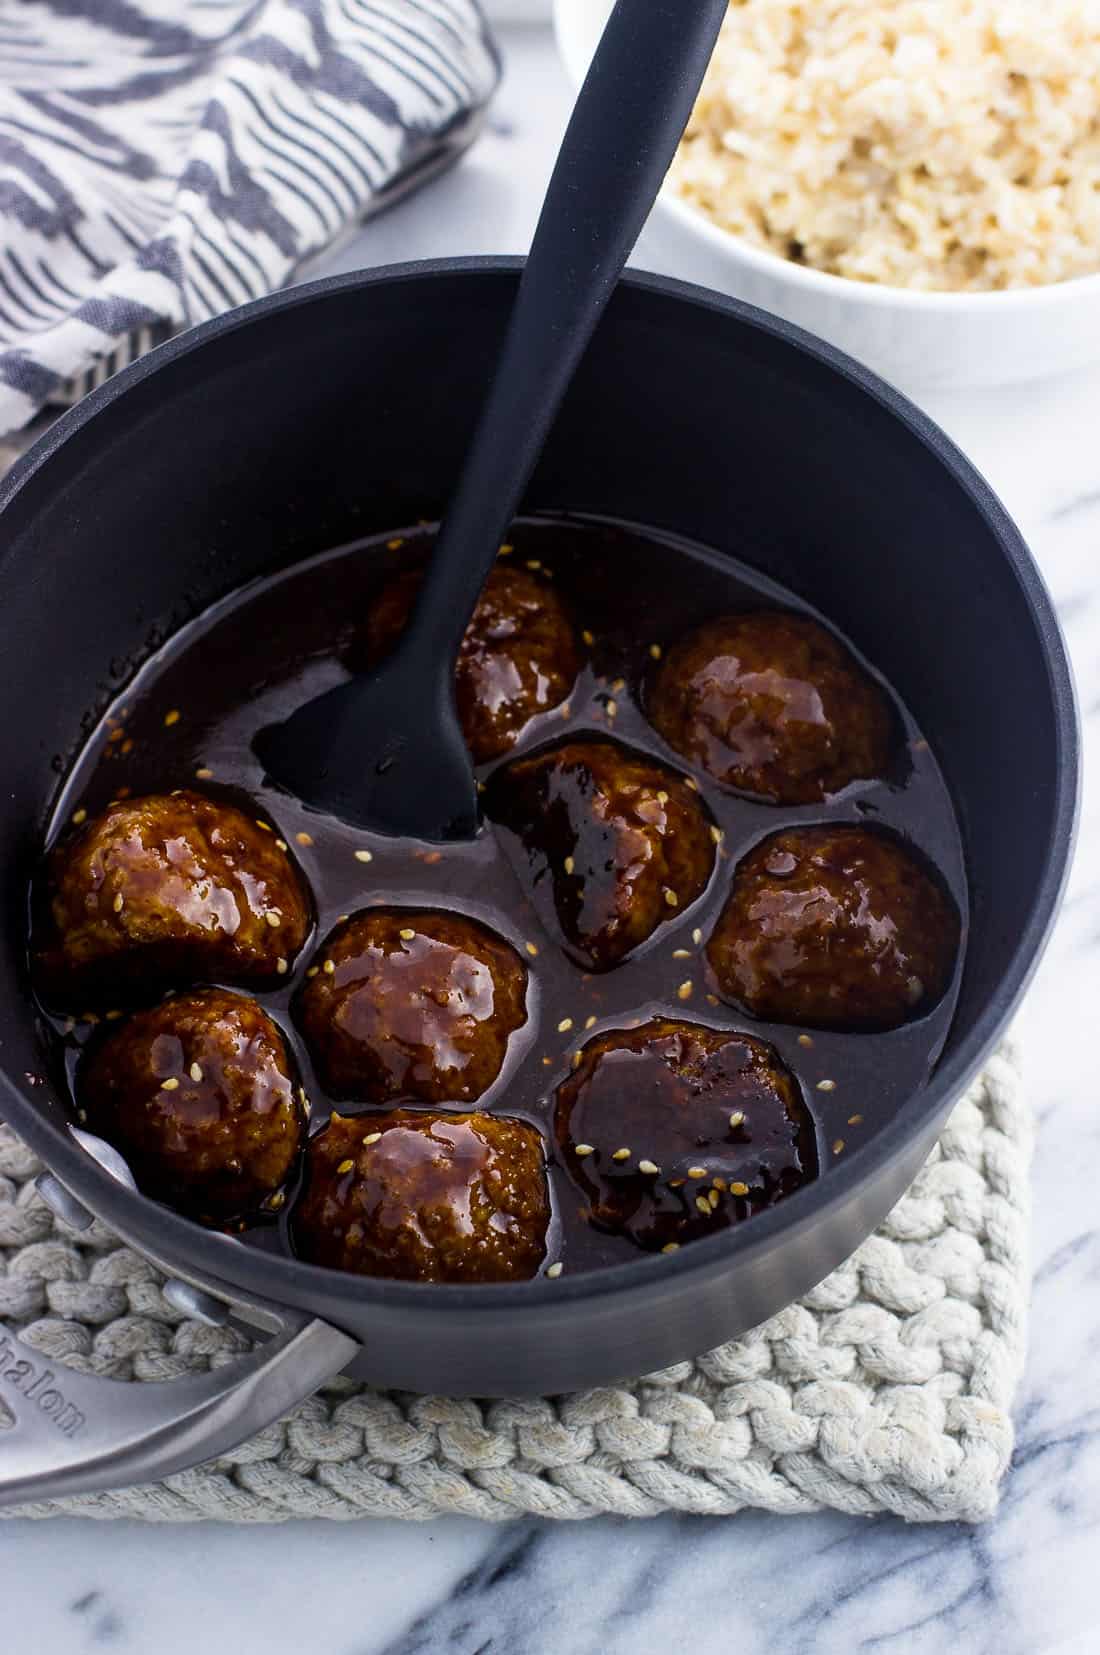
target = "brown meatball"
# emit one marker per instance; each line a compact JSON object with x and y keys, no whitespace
{"x":772,"y":704}
{"x":839,"y":927}
{"x":198,"y":1095}
{"x":425,"y":1197}
{"x":626,"y":843}
{"x":673,"y":1131}
{"x":404,"y":1004}
{"x":517,"y":659}
{"x":161,"y":890}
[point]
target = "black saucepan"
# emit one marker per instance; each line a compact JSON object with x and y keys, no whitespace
{"x":318,"y":415}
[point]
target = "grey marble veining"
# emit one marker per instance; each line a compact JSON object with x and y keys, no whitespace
{"x":1025,"y":1584}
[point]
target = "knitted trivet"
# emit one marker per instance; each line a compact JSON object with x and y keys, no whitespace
{"x":887,"y":1388}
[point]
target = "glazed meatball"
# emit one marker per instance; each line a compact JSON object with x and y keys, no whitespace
{"x":517,"y":659}
{"x":425,"y":1197}
{"x":198,"y":1096}
{"x":673,"y":1131}
{"x":838,"y":927}
{"x":617,"y":843}
{"x":773,"y":705}
{"x":404,"y":1004}
{"x":161,"y":890}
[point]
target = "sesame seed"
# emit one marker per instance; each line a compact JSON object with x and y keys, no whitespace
{"x":712,"y":1000}
{"x":302,"y":1097}
{"x":588,"y":637}
{"x":346,"y":1166}
{"x":655,"y":651}
{"x":533,"y":563}
{"x":565,"y":710}
{"x":689,"y":781}
{"x":584,"y":1149}
{"x":364,"y":856}
{"x":620,"y":1154}
{"x":203,"y":774}
{"x":838,"y":1145}
{"x":282,"y":844}
{"x":590,"y":1022}
{"x":169,"y":1085}
{"x":671,"y":1247}
{"x":276,"y":1201}
{"x":555,"y":1270}
{"x":739,"y":1189}
{"x":569,"y":864}
{"x":805,"y":1040}
{"x":619,"y":685}
{"x":713,"y":1199}
{"x":611,"y":706}
{"x":313,"y":970}
{"x":532,"y":948}
{"x":675,"y":1183}
{"x":372,"y":1137}
{"x":703,"y":1204}
{"x":304,"y":838}
{"x":697,"y":936}
{"x":394,"y":545}
{"x":264,"y":826}
{"x":113,"y":1016}
{"x":281,"y":966}
{"x":79,"y":816}
{"x":548,"y":1062}
{"x":172,"y":718}
{"x":576,"y":1060}
{"x":737,"y":1119}
{"x":685,"y":990}
{"x":671,"y":898}
{"x":340,"y":918}
{"x":716,"y":834}
{"x":720,"y":1184}
{"x":662,"y":796}
{"x":329,"y":967}
{"x":407,"y":933}
{"x":681,"y":953}
{"x":506,"y":550}
{"x":127,"y":747}
{"x":195,"y":1072}
{"x":117,"y":903}
{"x":697,"y":1172}
{"x":565,"y":1025}
{"x":273,"y":918}
{"x":855,"y":1120}
{"x":826,"y":1085}
{"x":650,"y":1168}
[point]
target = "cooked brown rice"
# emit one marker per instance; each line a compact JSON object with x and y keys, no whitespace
{"x":936,"y":144}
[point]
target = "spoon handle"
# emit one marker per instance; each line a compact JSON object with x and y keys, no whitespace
{"x":628,"y":121}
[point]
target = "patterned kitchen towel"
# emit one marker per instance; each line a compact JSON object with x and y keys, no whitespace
{"x":887,"y":1389}
{"x":163,"y":160}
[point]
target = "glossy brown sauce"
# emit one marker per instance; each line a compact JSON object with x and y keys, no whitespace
{"x":189,"y":715}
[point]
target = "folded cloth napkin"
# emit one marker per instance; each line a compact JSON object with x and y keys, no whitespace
{"x":163,"y":160}
{"x":886,"y":1389}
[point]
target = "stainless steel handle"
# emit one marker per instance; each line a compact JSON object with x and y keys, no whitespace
{"x":73,"y":1433}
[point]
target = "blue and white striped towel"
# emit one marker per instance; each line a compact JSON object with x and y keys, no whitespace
{"x":163,"y":160}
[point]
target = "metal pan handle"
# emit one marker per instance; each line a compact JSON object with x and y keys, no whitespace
{"x":73,"y":1433}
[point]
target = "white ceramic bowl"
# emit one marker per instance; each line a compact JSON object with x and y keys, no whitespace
{"x":921,"y":341}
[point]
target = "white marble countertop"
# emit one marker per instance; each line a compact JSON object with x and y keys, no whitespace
{"x":1023,"y":1585}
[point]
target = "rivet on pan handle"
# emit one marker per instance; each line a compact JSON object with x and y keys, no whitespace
{"x":74,"y":1433}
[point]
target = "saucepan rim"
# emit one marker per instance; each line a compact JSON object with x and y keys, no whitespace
{"x":216,"y":1257}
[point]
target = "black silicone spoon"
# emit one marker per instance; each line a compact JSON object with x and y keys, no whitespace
{"x":385,"y":751}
